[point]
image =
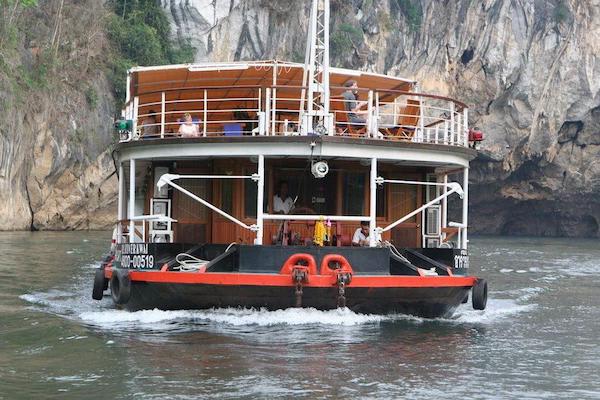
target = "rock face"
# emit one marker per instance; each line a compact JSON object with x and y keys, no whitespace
{"x":56,"y":169}
{"x":528,"y":69}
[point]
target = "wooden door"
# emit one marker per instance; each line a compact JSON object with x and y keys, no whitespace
{"x":193,"y":218}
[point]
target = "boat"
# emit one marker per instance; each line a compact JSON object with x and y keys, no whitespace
{"x":271,"y":184}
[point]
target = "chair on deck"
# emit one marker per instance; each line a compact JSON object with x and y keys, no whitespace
{"x":342,"y":124}
{"x":407,"y":121}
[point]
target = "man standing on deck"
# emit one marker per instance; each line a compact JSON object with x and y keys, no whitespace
{"x":355,"y":115}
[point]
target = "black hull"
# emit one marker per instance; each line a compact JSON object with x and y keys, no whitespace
{"x":424,"y":302}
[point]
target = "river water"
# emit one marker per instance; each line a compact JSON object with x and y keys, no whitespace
{"x":538,"y":338}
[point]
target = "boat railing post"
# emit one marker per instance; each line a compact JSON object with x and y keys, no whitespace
{"x":260,"y":200}
{"x":131,"y":200}
{"x":370,"y":115}
{"x":445,"y":131}
{"x":466,"y":127}
{"x":373,"y":204}
{"x":445,"y":205}
{"x":465,"y":207}
{"x":162,"y":115}
{"x":452,"y":122}
{"x":422,"y":120}
{"x":377,"y":116}
{"x":205,"y":123}
{"x":267,"y":110}
{"x":274,"y":111}
{"x":120,"y":216}
{"x":136,"y":103}
{"x":458,"y":129}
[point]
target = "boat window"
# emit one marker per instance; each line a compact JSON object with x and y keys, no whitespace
{"x":354,"y":193}
{"x":315,"y":196}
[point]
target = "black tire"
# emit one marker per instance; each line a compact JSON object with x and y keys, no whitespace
{"x":480,"y":294}
{"x":99,"y":282}
{"x":465,"y":300}
{"x":120,"y":286}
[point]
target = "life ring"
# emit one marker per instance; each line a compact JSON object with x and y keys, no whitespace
{"x":479,"y":294}
{"x":99,"y":282}
{"x":345,"y":266}
{"x":295,"y":260}
{"x":120,"y":286}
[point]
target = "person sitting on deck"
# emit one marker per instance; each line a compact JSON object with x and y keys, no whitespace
{"x":282,"y":202}
{"x":149,"y":127}
{"x":352,"y":105}
{"x":361,"y":235}
{"x":188,"y":128}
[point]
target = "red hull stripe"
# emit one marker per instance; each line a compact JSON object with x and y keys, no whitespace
{"x":243,"y":279}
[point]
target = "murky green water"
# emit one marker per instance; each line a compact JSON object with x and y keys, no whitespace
{"x":539,"y":337}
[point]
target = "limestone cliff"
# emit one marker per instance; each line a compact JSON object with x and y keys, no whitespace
{"x":529,"y":70}
{"x":56,"y":169}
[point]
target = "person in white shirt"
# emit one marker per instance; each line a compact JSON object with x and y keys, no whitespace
{"x":361,"y":235}
{"x":188,"y":128}
{"x":282,"y":202}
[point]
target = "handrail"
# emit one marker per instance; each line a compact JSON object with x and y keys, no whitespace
{"x":386,"y":114}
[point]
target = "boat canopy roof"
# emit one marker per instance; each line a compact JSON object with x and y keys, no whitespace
{"x":152,"y":80}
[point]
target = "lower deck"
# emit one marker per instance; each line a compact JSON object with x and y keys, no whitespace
{"x":345,"y":190}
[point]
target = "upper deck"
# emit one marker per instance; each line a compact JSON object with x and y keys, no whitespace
{"x":258,"y":99}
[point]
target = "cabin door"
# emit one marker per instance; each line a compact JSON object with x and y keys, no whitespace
{"x":193,"y":218}
{"x":403,"y":200}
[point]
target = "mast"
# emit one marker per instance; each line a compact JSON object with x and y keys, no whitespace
{"x":316,"y":71}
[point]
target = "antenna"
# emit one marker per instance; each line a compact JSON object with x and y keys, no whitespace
{"x":316,"y":72}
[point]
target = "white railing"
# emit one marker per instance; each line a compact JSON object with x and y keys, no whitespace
{"x":276,"y":111}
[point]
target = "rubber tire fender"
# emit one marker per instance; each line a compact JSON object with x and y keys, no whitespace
{"x":99,"y":284}
{"x":479,"y":294}
{"x":120,"y":286}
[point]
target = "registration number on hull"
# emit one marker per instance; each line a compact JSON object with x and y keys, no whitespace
{"x":134,"y":256}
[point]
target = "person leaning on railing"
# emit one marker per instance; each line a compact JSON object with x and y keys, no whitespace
{"x":188,"y":128}
{"x":149,"y":127}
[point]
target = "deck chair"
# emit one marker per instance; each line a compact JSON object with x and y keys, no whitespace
{"x":342,"y":124}
{"x":407,"y":121}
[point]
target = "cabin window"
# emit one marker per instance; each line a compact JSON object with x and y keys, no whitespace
{"x":314,"y":196}
{"x":354,"y":193}
{"x":227,"y":195}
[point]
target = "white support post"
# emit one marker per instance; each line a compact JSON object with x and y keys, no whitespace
{"x":205,"y":123}
{"x":370,"y":115}
{"x":373,"y":204}
{"x":452,"y":111}
{"x":465,"y":208}
{"x":131,"y":213}
{"x":120,"y":213}
{"x":267,"y":110}
{"x":162,"y":115}
{"x":274,"y":112}
{"x":445,"y":204}
{"x":422,"y":121}
{"x":260,"y":200}
{"x":136,"y":103}
{"x":466,"y":126}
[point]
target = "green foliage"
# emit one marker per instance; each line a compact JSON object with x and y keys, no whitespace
{"x":344,"y":38}
{"x":140,"y":33}
{"x":413,"y":12}
{"x":561,"y":12}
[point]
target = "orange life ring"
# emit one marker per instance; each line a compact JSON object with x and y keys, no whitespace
{"x":295,"y":260}
{"x":345,"y":266}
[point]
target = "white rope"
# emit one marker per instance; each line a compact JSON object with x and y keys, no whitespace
{"x":189,"y":263}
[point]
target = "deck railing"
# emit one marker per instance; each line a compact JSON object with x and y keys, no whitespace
{"x":277,"y":111}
